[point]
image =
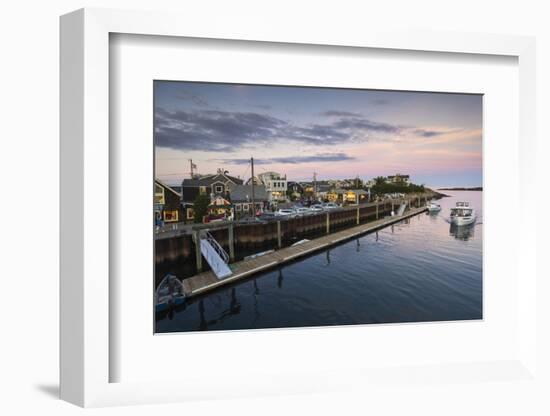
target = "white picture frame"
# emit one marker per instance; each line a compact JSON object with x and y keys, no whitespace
{"x":85,"y":211}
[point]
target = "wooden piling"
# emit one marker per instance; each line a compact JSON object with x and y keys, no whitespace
{"x":328,"y":223}
{"x":377,"y":210}
{"x":279,"y":242}
{"x":357,"y":215}
{"x":198,"y":254}
{"x":231,"y":242}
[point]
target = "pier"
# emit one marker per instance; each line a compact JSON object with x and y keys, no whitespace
{"x":207,"y":281}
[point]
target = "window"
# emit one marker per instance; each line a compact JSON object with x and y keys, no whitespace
{"x":190,"y":214}
{"x":159,"y":194}
{"x":202,"y":190}
{"x":219,"y":189}
{"x":238,"y":207}
{"x":245,"y":207}
{"x":171,"y":216}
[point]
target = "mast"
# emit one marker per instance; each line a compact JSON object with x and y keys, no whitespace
{"x":191,"y":165}
{"x":253,"y":202}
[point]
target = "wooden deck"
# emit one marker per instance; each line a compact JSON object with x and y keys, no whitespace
{"x":207,"y":281}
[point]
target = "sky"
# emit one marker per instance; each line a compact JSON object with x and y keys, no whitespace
{"x":436,"y":138}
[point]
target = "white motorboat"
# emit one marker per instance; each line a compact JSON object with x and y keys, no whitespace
{"x":433,"y":207}
{"x":463,"y":214}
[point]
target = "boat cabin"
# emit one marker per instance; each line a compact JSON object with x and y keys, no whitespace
{"x":461,"y":212}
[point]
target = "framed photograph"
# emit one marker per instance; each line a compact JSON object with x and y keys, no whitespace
{"x":320,"y":231}
{"x":242,"y":214}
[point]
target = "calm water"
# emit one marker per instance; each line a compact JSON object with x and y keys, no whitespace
{"x":421,"y":269}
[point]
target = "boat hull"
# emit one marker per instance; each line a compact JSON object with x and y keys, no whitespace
{"x":463,"y":220}
{"x":164,"y":306}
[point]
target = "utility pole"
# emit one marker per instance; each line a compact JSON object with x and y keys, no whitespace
{"x":191,"y":165}
{"x":315,"y":186}
{"x":253,"y":202}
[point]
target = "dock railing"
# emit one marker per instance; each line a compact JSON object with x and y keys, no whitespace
{"x":217,"y":247}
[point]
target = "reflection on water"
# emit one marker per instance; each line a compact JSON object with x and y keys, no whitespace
{"x":462,"y":232}
{"x":232,"y":307}
{"x":422,"y":269}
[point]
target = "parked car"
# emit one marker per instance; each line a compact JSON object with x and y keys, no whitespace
{"x":316,"y":208}
{"x":303,"y":211}
{"x":330,"y":206}
{"x":267,"y":216}
{"x":286,"y":212}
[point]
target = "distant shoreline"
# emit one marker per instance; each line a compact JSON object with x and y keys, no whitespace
{"x":476,"y":188}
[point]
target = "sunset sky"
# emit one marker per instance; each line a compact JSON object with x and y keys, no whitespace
{"x":338,"y":133}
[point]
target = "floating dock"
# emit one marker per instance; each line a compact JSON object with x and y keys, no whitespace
{"x":207,"y":281}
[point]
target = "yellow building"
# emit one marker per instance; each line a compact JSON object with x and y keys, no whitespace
{"x":348,"y":196}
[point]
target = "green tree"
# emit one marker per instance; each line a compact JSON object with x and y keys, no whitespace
{"x":357,"y":183}
{"x":200,"y":207}
{"x":290,"y":194}
{"x":379,"y":180}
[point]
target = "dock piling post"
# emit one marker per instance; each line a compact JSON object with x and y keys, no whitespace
{"x":231,"y":242}
{"x":279,"y":242}
{"x":328,"y":222}
{"x":377,"y":210}
{"x":198,"y":254}
{"x":357,"y":214}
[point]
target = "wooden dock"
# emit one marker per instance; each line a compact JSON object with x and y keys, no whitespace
{"x":207,"y":281}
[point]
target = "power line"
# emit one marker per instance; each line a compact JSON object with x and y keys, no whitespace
{"x":246,"y":170}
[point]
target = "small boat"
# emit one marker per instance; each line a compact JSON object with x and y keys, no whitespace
{"x":463,"y":214}
{"x":433,"y":207}
{"x":169,"y":293}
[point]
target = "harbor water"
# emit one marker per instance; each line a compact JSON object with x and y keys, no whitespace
{"x":421,"y":269}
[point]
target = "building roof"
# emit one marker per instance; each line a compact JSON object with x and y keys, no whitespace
{"x":271,"y":175}
{"x":324,"y":188}
{"x":208,"y":180}
{"x":243,"y":193}
{"x":219,"y":201}
{"x":165,"y":186}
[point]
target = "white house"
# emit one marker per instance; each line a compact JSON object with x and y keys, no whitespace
{"x":399,"y":179}
{"x":275,"y":184}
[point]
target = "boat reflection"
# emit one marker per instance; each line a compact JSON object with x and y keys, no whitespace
{"x":462,"y":232}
